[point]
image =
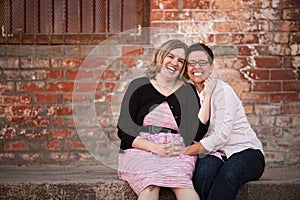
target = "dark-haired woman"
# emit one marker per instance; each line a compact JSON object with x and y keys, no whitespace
{"x":230,"y":153}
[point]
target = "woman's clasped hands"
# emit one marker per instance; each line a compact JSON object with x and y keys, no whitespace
{"x":169,"y":149}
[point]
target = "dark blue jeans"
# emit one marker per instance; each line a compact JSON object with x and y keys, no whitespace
{"x":216,"y":180}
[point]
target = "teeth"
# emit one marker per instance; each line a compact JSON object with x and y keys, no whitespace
{"x":171,"y":68}
{"x":197,"y":73}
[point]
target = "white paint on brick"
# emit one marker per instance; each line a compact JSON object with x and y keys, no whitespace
{"x":275,"y":3}
{"x":295,"y":49}
{"x":251,"y":65}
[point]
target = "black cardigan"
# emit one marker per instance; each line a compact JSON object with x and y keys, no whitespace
{"x":141,"y":97}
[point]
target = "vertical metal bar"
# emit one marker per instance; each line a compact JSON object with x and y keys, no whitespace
{"x":79,"y":17}
{"x":9,"y":29}
{"x":121,"y":15}
{"x":107,"y":28}
{"x":93,"y":16}
{"x":38,"y":16}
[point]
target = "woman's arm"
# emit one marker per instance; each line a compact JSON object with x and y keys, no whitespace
{"x":204,"y":112}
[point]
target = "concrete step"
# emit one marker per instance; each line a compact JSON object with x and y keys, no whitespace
{"x":100,"y":182}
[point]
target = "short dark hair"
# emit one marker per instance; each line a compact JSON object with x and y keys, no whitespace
{"x":202,"y":47}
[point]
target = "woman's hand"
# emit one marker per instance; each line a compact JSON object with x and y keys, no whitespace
{"x":209,"y":86}
{"x":169,"y":149}
{"x":195,"y":149}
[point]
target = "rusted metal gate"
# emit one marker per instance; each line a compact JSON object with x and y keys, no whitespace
{"x":68,"y":21}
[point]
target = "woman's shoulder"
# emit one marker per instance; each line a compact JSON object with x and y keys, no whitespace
{"x":138,"y":82}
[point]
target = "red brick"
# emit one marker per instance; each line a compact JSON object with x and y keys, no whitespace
{"x":31,"y":87}
{"x":250,"y":39}
{"x":45,"y":98}
{"x":110,"y":75}
{"x":248,"y":109}
{"x":76,"y":145}
{"x":200,"y":15}
{"x":176,"y":15}
{"x":287,"y":62}
{"x":132,"y":50}
{"x":294,"y":37}
{"x":60,"y":86}
{"x":92,"y":61}
{"x":196,"y":4}
{"x":110,"y":86}
{"x":85,"y":86}
{"x":285,"y":74}
{"x":291,"y":85}
{"x":36,"y":134}
{"x":52,"y":145}
{"x":240,"y":15}
{"x":71,"y":63}
{"x":56,"y":63}
{"x":7,"y":87}
{"x":59,"y":110}
{"x":267,"y":86}
{"x":58,"y":121}
{"x":291,"y":14}
{"x":21,"y":99}
{"x":282,"y":121}
{"x":172,"y":26}
{"x":36,"y":121}
{"x":76,"y":98}
{"x":15,"y":146}
{"x":225,"y":4}
{"x":27,"y":110}
{"x":255,"y":26}
{"x":54,"y":74}
{"x":244,"y":51}
{"x":222,"y":38}
{"x":156,"y":15}
{"x":286,"y":26}
{"x":226,"y":27}
{"x":79,"y":74}
{"x":70,"y":123}
{"x":128,"y":62}
{"x":15,"y":119}
{"x":283,"y":97}
{"x":266,"y":14}
{"x":12,"y":75}
{"x":257,"y":74}
{"x":35,"y":63}
{"x":267,"y":62}
{"x":281,"y":38}
{"x":59,"y":133}
{"x":7,"y":133}
{"x":9,"y":63}
{"x":292,"y":108}
{"x":295,"y":120}
{"x":164,"y":4}
{"x":196,"y":27}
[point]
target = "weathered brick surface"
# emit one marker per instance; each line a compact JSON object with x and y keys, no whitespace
{"x":257,"y":50}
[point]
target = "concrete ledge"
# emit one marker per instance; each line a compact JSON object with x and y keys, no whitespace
{"x":100,"y":182}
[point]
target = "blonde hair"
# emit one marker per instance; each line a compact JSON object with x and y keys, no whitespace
{"x":160,"y":54}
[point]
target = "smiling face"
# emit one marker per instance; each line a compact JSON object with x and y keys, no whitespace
{"x":198,"y":67}
{"x":173,"y":63}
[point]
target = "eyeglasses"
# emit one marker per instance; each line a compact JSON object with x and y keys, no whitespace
{"x":200,"y":63}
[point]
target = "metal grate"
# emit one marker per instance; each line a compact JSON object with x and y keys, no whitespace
{"x":66,"y":21}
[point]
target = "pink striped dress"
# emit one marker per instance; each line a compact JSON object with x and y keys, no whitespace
{"x":142,"y":168}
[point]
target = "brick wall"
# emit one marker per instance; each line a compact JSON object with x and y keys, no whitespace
{"x":59,"y":104}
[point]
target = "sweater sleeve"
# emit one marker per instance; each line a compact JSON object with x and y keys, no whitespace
{"x":202,"y":128}
{"x":128,"y":130}
{"x":191,"y":127}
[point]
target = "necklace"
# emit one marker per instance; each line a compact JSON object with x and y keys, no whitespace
{"x":166,"y":90}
